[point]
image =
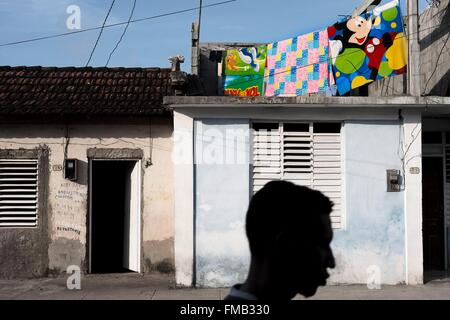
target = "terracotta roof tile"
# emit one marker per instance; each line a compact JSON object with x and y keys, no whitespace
{"x":70,"y":90}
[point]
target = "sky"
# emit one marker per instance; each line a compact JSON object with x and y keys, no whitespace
{"x":150,"y":43}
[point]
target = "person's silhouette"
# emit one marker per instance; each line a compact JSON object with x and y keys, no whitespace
{"x":289,"y":232}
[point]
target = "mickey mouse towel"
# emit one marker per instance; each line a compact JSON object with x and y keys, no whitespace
{"x":368,"y":48}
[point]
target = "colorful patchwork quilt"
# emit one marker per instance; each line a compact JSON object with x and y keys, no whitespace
{"x":298,"y":66}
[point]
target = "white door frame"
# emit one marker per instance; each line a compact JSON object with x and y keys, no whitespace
{"x":138,"y":210}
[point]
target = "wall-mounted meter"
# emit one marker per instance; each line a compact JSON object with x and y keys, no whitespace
{"x":394,"y":180}
{"x":70,"y":169}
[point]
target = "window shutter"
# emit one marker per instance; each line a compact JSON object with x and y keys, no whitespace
{"x":18,"y":193}
{"x":298,"y":154}
{"x":327,"y":171}
{"x":266,"y":155}
{"x":306,"y":154}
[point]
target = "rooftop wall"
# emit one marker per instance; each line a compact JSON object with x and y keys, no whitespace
{"x":434,"y":26}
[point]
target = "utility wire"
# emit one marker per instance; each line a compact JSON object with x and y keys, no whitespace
{"x":115,"y":24}
{"x":123,"y":33}
{"x":100,"y":33}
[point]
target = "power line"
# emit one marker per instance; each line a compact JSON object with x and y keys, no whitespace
{"x":123,"y":33}
{"x":114,"y":24}
{"x":100,"y":33}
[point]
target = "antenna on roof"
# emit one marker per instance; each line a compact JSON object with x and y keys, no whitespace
{"x":195,"y":56}
{"x":199,"y":17}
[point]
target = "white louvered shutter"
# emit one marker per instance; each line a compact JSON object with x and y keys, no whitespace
{"x":18,"y":193}
{"x":295,"y":152}
{"x":266,"y":155}
{"x":327,"y":175}
{"x":298,"y":154}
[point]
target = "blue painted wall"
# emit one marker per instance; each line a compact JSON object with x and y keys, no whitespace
{"x":374,"y":234}
{"x":221,"y":200}
{"x":373,"y":240}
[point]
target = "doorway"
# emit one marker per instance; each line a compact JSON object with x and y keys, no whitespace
{"x":114,"y":228}
{"x":433,"y":214}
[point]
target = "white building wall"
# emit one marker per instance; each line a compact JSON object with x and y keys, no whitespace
{"x":412,"y":143}
{"x":396,"y":249}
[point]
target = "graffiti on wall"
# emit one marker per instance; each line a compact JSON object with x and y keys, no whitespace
{"x":69,"y":206}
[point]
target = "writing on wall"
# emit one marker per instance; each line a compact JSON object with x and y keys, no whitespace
{"x":69,"y":204}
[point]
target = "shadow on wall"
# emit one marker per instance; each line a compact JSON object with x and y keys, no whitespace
{"x":442,"y":87}
{"x":440,"y":31}
{"x":157,"y":127}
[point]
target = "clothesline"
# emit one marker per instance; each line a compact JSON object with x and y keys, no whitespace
{"x":344,"y":56}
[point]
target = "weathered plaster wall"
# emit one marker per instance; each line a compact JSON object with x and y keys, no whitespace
{"x":68,"y":204}
{"x":183,"y":155}
{"x":23,"y":252}
{"x":413,"y":196}
{"x":382,"y":229}
{"x":434,"y":45}
{"x":374,"y":234}
{"x":221,"y":199}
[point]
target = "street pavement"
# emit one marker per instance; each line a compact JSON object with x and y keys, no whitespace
{"x":162,"y":287}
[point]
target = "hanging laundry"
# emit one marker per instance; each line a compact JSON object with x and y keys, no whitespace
{"x":244,"y":71}
{"x":245,"y":61}
{"x":369,"y":47}
{"x":299,"y":66}
{"x":243,"y":86}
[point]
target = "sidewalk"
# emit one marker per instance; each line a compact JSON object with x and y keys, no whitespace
{"x":162,"y":287}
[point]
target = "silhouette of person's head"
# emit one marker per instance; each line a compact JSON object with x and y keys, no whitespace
{"x":289,"y":232}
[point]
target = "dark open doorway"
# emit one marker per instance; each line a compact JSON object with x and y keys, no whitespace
{"x":113,"y":215}
{"x":433,"y":214}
